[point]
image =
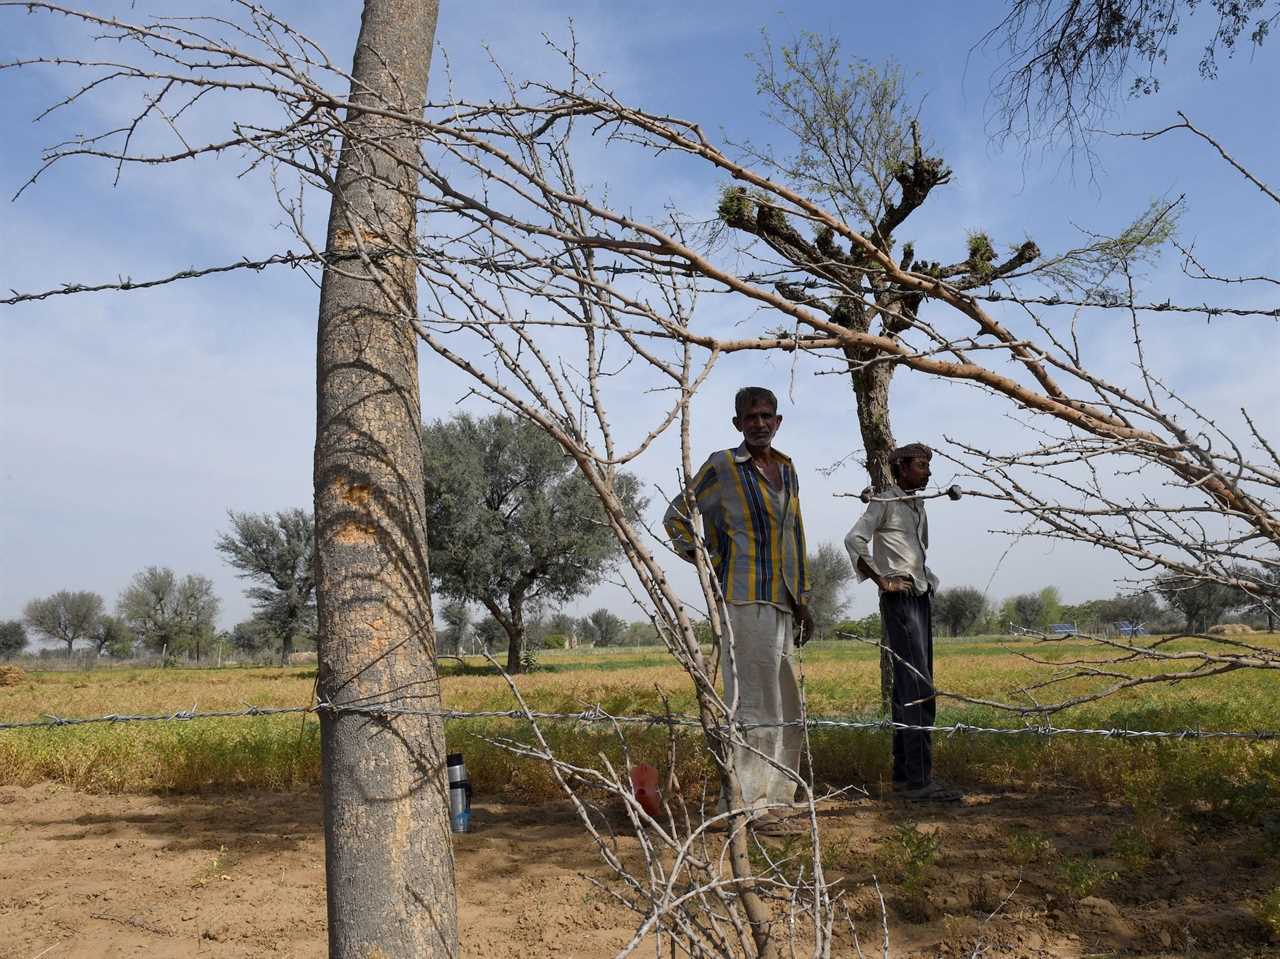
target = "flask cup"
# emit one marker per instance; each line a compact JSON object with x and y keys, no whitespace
{"x":459,"y":794}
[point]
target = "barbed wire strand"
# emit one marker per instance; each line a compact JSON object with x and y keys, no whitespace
{"x":596,"y":715}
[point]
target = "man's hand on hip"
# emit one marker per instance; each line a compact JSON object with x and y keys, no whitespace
{"x":895,"y":584}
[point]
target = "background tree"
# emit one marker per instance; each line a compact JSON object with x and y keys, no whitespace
{"x":1051,"y":601}
{"x":829,"y":574}
{"x":1135,"y":608}
{"x":511,"y":523}
{"x":490,"y":634}
{"x":13,"y":638}
{"x":1262,"y":599}
{"x":959,"y":609}
{"x":113,"y":637}
{"x":457,"y":626}
{"x":65,"y":617}
{"x":277,"y":554}
{"x":641,"y":633}
{"x":562,"y":624}
{"x":166,"y":612}
{"x":867,"y":628}
{"x":603,"y":628}
{"x":1025,"y":611}
{"x":252,"y":636}
{"x":1201,"y":603}
{"x":1068,"y":59}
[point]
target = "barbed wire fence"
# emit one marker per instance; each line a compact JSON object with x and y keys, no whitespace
{"x":595,"y":714}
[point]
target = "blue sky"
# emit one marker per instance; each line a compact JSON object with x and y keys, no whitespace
{"x":129,"y":424}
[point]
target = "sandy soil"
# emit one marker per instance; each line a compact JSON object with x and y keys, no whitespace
{"x":235,"y":876}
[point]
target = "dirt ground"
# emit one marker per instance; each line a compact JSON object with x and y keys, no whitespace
{"x":224,"y":877}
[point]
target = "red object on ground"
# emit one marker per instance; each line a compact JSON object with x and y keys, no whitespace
{"x":644,"y":784}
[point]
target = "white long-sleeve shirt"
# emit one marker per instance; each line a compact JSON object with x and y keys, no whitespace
{"x":892,"y":537}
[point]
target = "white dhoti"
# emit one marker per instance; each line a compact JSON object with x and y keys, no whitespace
{"x":760,"y":668}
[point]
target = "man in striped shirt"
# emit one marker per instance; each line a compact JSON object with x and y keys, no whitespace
{"x":748,"y":500}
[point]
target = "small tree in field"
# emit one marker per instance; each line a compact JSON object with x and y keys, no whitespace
{"x":113,"y":637}
{"x":166,"y":612}
{"x":65,"y":616}
{"x":457,"y":626}
{"x":13,"y":638}
{"x":276,"y":553}
{"x":1262,"y":600}
{"x":562,"y":624}
{"x":1200,"y":603}
{"x":489,"y":635}
{"x":1136,"y":608}
{"x":829,"y":574}
{"x":510,"y":521}
{"x":641,"y":633}
{"x":1026,"y":611}
{"x":251,"y":636}
{"x":1051,"y":601}
{"x":603,"y":628}
{"x":958,"y":610}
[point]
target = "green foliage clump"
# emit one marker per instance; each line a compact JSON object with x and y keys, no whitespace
{"x":13,"y":638}
{"x":982,"y":254}
{"x":912,"y":851}
{"x":1081,"y":876}
{"x":869,"y":627}
{"x":917,"y":850}
{"x":1133,"y":847}
{"x":1268,"y":912}
{"x":736,"y":208}
{"x":1027,"y":846}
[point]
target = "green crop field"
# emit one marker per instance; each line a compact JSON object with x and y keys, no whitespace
{"x":282,"y":753}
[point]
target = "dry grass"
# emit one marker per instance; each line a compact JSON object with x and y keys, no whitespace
{"x":282,"y":753}
{"x":12,"y":675}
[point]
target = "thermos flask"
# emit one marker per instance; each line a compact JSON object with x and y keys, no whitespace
{"x":459,"y":794}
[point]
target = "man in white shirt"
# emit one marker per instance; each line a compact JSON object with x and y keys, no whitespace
{"x":887,"y":545}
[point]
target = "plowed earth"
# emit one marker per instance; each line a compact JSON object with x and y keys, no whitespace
{"x":97,"y":877}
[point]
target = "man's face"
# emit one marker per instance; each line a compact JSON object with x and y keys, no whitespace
{"x":758,"y":423}
{"x":913,"y":474}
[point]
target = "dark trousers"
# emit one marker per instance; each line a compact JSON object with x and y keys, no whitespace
{"x":908,"y":627}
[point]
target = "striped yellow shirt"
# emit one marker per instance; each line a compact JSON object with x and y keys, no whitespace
{"x":754,"y":534}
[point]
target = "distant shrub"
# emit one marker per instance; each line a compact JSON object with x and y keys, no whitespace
{"x":866,"y":628}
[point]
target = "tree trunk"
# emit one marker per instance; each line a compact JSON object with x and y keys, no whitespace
{"x":388,"y":856}
{"x":286,"y":642}
{"x":871,"y":389}
{"x":515,"y":637}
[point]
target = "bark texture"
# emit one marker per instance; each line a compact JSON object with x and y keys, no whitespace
{"x":388,"y":855}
